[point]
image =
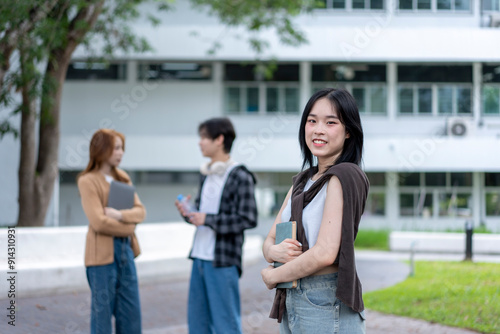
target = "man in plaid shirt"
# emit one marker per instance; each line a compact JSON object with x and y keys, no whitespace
{"x":226,"y":207}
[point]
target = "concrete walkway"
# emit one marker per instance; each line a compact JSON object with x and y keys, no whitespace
{"x":164,"y":305}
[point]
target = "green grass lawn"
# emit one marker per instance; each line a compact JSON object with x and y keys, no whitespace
{"x":459,"y":294}
{"x":372,"y":239}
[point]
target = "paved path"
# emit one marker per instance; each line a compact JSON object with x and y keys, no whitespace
{"x":164,"y":306}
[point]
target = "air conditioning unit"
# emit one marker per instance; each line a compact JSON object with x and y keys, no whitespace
{"x":495,"y":20}
{"x":459,"y":126}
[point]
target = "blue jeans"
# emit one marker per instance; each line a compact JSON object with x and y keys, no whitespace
{"x":214,"y":299}
{"x":115,"y":291}
{"x":313,"y":308}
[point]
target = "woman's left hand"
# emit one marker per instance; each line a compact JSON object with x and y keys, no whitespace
{"x":266,"y":277}
{"x":113,"y":213}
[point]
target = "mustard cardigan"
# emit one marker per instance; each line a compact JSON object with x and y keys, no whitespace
{"x":99,"y":249}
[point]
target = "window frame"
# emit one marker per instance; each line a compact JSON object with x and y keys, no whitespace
{"x":435,"y":192}
{"x":349,"y":86}
{"x":495,"y":3}
{"x":141,"y":71}
{"x":121,"y":69}
{"x":483,"y":99}
{"x":348,"y":6}
{"x":262,"y":97}
{"x":434,"y":98}
{"x":434,"y":8}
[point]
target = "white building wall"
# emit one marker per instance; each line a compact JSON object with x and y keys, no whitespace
{"x":160,"y":119}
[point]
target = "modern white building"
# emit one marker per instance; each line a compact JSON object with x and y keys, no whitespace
{"x":425,"y":73}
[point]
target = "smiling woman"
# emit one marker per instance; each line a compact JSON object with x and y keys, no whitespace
{"x":326,"y":201}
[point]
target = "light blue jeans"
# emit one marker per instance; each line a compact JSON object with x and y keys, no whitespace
{"x":115,"y":292}
{"x":313,"y":308}
{"x":214,"y":299}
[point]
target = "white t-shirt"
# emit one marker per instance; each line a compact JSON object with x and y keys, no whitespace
{"x":211,"y":193}
{"x":311,"y":215}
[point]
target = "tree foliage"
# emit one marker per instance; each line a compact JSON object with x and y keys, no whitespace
{"x":37,"y":41}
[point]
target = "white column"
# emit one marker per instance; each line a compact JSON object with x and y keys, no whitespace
{"x":262,"y":98}
{"x":218,"y":86}
{"x":132,"y":77}
{"x":52,"y":215}
{"x":477,"y":69}
{"x":305,"y":84}
{"x":392,"y":91}
{"x":392,"y":200}
{"x":477,"y":197}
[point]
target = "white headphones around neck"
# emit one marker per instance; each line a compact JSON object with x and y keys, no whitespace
{"x":217,"y":167}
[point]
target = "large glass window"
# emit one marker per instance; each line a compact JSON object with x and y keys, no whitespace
{"x":242,"y":98}
{"x":493,"y":203}
{"x":492,"y":193}
{"x":424,"y":100}
{"x":491,"y":5}
{"x":491,"y":99}
{"x":96,"y":71}
{"x":168,"y":71}
{"x":271,"y":192}
{"x":454,"y":99}
{"x":415,"y":203}
{"x":435,"y":5}
{"x":435,"y":73}
{"x":424,"y":4}
{"x":450,"y":86}
{"x":452,"y":204}
{"x":437,"y":194}
{"x":491,"y":90}
{"x":352,"y":4}
{"x":248,"y":91}
{"x":375,"y":203}
{"x":367,"y":83}
{"x":338,"y":4}
{"x":406,"y":100}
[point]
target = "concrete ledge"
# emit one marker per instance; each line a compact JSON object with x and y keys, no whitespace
{"x":49,"y":260}
{"x":433,"y":242}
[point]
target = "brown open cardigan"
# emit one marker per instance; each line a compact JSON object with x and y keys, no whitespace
{"x":355,"y":187}
{"x":94,"y":191}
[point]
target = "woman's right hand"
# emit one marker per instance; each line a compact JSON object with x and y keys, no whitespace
{"x":285,"y":251}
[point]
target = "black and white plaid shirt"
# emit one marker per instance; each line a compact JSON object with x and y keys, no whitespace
{"x":237,"y":212}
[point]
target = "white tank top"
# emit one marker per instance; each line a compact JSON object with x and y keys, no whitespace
{"x":311,"y":215}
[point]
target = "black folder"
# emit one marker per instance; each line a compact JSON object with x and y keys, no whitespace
{"x":121,"y":195}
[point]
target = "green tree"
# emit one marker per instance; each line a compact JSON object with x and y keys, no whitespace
{"x":37,"y":40}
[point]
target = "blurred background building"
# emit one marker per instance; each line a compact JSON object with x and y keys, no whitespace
{"x":425,"y":74}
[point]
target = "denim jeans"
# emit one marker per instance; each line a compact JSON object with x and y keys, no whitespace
{"x":115,"y":292}
{"x":313,"y":308}
{"x":214,"y":299}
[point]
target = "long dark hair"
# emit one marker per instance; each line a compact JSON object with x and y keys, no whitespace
{"x":348,"y":114}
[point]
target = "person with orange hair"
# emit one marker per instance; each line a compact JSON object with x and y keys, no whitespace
{"x":111,"y":244}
